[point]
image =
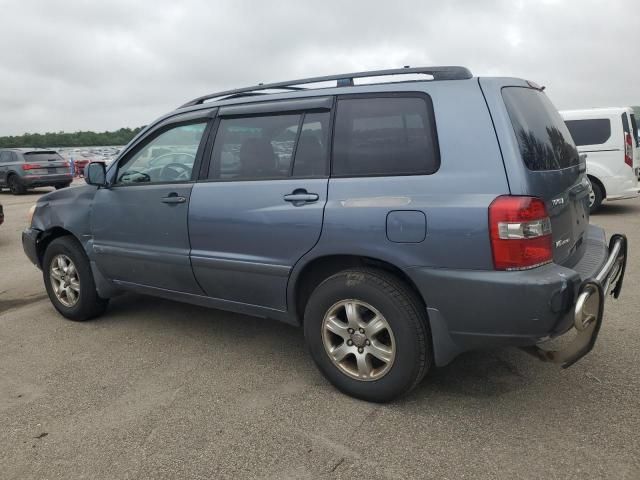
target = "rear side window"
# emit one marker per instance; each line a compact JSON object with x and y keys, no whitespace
{"x":385,"y":136}
{"x":42,"y":156}
{"x":543,"y":138}
{"x":593,"y":131}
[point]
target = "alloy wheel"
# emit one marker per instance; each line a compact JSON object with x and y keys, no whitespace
{"x":64,"y":280}
{"x":358,"y":340}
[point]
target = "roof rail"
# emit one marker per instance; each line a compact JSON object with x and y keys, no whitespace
{"x":342,"y":80}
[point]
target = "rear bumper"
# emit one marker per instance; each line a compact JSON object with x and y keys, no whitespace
{"x":478,"y":309}
{"x":29,"y":245}
{"x":46,"y":180}
{"x":589,"y":307}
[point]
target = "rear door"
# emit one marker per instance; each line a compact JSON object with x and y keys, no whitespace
{"x":629,"y":141}
{"x":259,"y":205}
{"x":636,"y":144}
{"x":541,"y":160}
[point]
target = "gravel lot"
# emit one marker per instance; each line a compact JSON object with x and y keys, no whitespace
{"x":156,"y":389}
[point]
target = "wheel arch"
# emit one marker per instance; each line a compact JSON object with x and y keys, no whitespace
{"x":48,"y":236}
{"x":305,"y":278}
{"x":597,"y":181}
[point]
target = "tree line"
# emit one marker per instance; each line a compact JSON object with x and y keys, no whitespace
{"x":75,"y":139}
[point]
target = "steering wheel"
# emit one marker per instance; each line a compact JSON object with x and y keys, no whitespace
{"x":156,"y":160}
{"x":134,"y":176}
{"x":178,"y":171}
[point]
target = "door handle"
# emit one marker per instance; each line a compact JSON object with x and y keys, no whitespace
{"x":173,"y":199}
{"x":301,"y":196}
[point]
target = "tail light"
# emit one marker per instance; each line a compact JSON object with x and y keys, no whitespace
{"x":520,"y":233}
{"x":31,"y":166}
{"x":628,"y":149}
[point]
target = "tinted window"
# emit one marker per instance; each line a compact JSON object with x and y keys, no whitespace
{"x":42,"y":156}
{"x":169,"y":157}
{"x":594,"y":131}
{"x":385,"y":136}
{"x":543,"y":138}
{"x":5,"y":157}
{"x":250,"y":148}
{"x":634,"y":130}
{"x":312,"y":149}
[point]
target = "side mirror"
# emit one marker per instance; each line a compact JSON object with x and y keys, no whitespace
{"x":96,"y":174}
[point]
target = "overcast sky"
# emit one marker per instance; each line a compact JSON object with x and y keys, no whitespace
{"x":96,"y":65}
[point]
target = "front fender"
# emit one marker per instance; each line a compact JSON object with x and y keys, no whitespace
{"x":68,"y":209}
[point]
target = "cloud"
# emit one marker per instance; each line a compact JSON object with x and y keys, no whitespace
{"x":81,"y":64}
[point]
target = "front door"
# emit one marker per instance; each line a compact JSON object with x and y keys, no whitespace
{"x":139,"y":224}
{"x":260,"y":208}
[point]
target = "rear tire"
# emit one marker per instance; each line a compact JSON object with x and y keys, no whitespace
{"x":69,"y":281}
{"x":379,"y":360}
{"x":595,"y":197}
{"x":15,"y":186}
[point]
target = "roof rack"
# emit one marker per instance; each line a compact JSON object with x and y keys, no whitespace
{"x":342,"y":80}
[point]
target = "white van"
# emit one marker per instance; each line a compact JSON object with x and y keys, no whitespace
{"x":609,"y":138}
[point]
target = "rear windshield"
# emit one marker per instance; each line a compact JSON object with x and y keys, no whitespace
{"x":543,"y":138}
{"x":42,"y":156}
{"x":593,"y":131}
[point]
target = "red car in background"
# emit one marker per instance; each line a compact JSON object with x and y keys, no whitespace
{"x":81,"y":163}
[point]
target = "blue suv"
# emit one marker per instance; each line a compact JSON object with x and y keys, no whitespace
{"x":400,"y":223}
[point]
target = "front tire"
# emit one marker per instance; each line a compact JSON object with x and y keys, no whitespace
{"x":69,"y":281}
{"x":368,"y":334}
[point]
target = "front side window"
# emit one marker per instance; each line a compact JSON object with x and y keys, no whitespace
{"x":385,"y":136}
{"x":169,"y":157}
{"x":543,"y":138}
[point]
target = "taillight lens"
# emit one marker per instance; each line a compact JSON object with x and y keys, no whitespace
{"x":628,"y":149}
{"x":31,"y":166}
{"x":520,"y":233}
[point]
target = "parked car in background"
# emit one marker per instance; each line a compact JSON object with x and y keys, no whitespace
{"x":609,"y":138}
{"x":1,"y":215}
{"x":25,"y":168}
{"x":395,"y":234}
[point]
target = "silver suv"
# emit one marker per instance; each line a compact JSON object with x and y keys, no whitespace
{"x":399,"y":224}
{"x":25,"y":168}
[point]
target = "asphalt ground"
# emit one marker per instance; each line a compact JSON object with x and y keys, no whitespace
{"x":156,"y":389}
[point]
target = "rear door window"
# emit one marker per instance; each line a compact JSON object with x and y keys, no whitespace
{"x":5,"y":157}
{"x":254,"y":148}
{"x":312,"y":149}
{"x":543,"y":138}
{"x":592,"y":131}
{"x":385,"y":136}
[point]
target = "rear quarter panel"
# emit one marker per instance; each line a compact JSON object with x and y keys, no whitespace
{"x":454,"y":199}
